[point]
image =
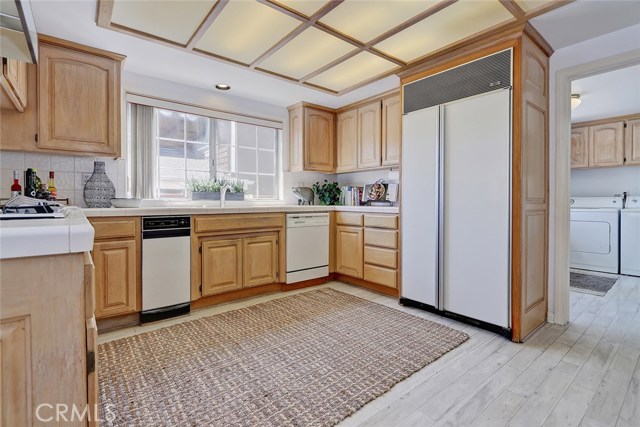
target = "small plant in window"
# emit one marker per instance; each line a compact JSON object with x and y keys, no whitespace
{"x":328,"y":193}
{"x":237,"y":186}
{"x":204,"y":188}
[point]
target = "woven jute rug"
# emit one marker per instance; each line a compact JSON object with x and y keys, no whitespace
{"x":309,"y":359}
{"x":591,"y":284}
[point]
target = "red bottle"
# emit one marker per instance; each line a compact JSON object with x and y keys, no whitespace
{"x":16,"y":189}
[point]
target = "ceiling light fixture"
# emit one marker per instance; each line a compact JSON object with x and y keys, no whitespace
{"x":222,"y":86}
{"x":575,"y":100}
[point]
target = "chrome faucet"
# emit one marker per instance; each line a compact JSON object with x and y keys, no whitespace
{"x":223,"y":194}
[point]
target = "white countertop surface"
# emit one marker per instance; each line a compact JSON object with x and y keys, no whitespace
{"x":38,"y":237}
{"x":231,"y":208}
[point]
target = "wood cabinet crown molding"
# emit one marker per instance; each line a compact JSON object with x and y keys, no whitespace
{"x":55,"y":41}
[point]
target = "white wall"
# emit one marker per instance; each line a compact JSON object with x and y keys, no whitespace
{"x":612,"y":44}
{"x":605,"y":181}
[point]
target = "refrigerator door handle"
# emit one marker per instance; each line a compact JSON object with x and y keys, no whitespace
{"x":441,"y":213}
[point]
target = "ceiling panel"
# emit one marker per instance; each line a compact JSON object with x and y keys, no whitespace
{"x":175,"y":20}
{"x":309,"y":51}
{"x":528,"y":5}
{"x":355,"y":70}
{"x":462,"y":19}
{"x":374,"y":17}
{"x":305,"y":7}
{"x":244,"y":30}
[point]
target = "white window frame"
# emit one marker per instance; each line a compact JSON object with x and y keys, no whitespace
{"x":217,"y":114}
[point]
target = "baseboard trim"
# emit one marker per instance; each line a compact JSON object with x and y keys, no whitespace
{"x":369,"y":285}
{"x":286,"y":287}
{"x":235,"y":295}
{"x":118,"y":322}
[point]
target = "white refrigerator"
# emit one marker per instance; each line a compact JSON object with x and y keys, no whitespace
{"x":456,"y":201}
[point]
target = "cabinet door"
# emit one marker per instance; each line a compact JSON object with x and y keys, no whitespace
{"x":260,"y":260}
{"x":295,"y":139}
{"x":606,"y":145}
{"x":221,"y":266}
{"x":349,"y":251}
{"x":580,"y":147}
{"x":347,"y":144}
{"x":14,"y":82}
{"x":79,"y":102}
{"x":391,"y":119}
{"x":116,"y":277}
{"x":369,"y":131}
{"x":319,"y":140}
{"x":632,"y":143}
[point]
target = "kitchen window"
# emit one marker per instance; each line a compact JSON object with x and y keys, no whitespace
{"x":198,"y":146}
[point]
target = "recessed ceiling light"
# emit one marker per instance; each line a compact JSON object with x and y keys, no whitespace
{"x":222,"y":86}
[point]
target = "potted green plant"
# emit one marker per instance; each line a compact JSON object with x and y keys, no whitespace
{"x":328,"y":193}
{"x":204,"y":188}
{"x":236,"y":190}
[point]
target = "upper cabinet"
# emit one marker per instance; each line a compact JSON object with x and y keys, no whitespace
{"x":632,"y":142}
{"x":14,"y":83}
{"x":79,"y":99}
{"x":606,"y":143}
{"x":369,"y":135}
{"x":311,"y":138}
{"x":347,"y":151}
{"x":391,"y":125}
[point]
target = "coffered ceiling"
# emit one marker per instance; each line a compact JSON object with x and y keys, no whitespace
{"x":334,"y":46}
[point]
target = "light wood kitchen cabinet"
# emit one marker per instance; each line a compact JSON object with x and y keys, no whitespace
{"x":221,"y":266}
{"x":606,"y":145}
{"x":116,"y":277}
{"x":45,"y":346}
{"x":369,"y":135}
{"x":346,"y":145}
{"x":349,"y":250}
{"x":14,"y":83}
{"x":391,"y":130}
{"x":311,"y":138}
{"x":78,"y":99}
{"x":580,"y":147}
{"x":117,"y":259}
{"x":235,"y":256}
{"x":632,"y":142}
{"x":260,"y":260}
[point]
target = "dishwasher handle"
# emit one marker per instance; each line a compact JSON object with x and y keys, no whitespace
{"x":162,"y":234}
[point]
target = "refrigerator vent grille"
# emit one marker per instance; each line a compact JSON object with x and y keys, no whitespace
{"x":480,"y":76}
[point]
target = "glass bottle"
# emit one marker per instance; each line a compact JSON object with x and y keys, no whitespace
{"x":16,"y":189}
{"x":53,"y":191}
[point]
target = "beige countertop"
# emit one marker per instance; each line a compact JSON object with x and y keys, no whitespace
{"x":231,"y":208}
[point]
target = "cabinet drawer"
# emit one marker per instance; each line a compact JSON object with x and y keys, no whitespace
{"x":381,"y":221}
{"x":381,"y":275}
{"x":379,"y":256}
{"x":222,"y":223}
{"x":346,"y":218}
{"x":383,"y":238}
{"x":115,"y":228}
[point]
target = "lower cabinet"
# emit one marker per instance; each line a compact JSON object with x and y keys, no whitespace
{"x":221,"y":266}
{"x":117,"y":259}
{"x":116,"y":274}
{"x":244,"y":262}
{"x":368,"y":251}
{"x":349,"y":250}
{"x":260,"y":260}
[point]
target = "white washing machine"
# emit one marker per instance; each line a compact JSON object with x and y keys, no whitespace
{"x":595,"y":233}
{"x":630,"y":237}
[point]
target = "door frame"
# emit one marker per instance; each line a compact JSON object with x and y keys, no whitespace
{"x":561,"y":218}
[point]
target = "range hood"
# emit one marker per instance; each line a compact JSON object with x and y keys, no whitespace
{"x":18,"y":36}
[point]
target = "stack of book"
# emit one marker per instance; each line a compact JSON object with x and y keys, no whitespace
{"x":351,"y":195}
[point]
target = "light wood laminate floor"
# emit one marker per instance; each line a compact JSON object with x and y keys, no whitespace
{"x":584,"y":374}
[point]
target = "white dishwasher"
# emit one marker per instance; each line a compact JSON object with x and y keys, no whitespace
{"x":166,"y":267}
{"x":307,"y":246}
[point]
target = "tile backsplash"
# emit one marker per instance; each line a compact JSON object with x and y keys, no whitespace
{"x":70,"y":172}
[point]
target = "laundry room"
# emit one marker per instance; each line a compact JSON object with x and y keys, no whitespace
{"x":605,"y":179}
